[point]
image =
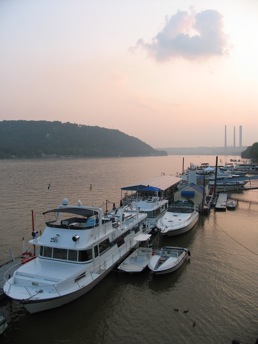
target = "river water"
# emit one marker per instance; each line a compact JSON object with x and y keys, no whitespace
{"x":212,"y":299}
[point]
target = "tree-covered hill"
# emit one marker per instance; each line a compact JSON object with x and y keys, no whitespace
{"x":251,"y":152}
{"x":35,"y":139}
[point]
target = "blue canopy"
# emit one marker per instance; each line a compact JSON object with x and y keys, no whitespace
{"x":154,"y":184}
{"x":141,"y":188}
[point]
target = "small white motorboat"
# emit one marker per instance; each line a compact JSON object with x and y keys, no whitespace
{"x":168,"y":259}
{"x":3,"y":324}
{"x":138,"y":260}
{"x":231,"y":204}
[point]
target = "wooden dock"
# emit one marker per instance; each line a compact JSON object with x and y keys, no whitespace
{"x":221,"y":203}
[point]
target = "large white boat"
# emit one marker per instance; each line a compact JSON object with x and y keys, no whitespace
{"x":168,"y":259}
{"x":151,"y":196}
{"x":153,"y":206}
{"x":78,"y":248}
{"x":179,"y":218}
{"x":235,"y":184}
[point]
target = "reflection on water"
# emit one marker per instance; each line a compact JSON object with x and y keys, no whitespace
{"x":212,"y":299}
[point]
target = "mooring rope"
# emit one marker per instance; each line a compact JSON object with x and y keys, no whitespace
{"x":239,"y":243}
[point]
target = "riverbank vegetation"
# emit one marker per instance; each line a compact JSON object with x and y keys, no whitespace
{"x":39,"y":139}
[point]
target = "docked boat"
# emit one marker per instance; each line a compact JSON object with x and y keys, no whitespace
{"x":153,"y":206}
{"x":246,"y":168}
{"x":138,"y":260}
{"x":179,"y":218}
{"x":232,"y":184}
{"x":168,"y":259}
{"x":78,"y":248}
{"x":151,"y":196}
{"x":231,"y":204}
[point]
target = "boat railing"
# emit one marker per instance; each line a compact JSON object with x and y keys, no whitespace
{"x":9,"y":272}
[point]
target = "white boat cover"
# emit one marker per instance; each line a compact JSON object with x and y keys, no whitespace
{"x":142,"y":237}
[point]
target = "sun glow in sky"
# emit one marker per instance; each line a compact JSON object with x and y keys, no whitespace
{"x":171,"y":73}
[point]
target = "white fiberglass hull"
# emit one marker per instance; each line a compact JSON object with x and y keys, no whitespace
{"x":35,"y":306}
{"x":37,"y":297}
{"x":161,"y":264}
{"x":177,"y":224}
{"x":137,"y":261}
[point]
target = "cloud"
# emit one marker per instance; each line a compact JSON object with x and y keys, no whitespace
{"x":190,"y":36}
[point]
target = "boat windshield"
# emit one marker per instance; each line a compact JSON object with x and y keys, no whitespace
{"x":71,"y":219}
{"x":180,"y":209}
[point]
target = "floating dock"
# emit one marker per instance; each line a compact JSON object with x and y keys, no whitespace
{"x":221,"y":203}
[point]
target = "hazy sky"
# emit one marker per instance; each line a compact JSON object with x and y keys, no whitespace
{"x":172,"y":73}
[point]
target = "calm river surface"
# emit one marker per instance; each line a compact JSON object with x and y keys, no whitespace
{"x":213,"y":299}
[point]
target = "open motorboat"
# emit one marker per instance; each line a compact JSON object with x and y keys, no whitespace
{"x":168,"y":259}
{"x":138,"y":260}
{"x":78,"y":248}
{"x":179,"y":218}
{"x":231,"y":204}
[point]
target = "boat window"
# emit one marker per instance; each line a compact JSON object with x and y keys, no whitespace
{"x":72,"y":255}
{"x":104,"y":245}
{"x":46,"y":251}
{"x":59,"y":253}
{"x":85,"y":255}
{"x":149,"y":213}
{"x":96,"y":251}
{"x":63,"y":254}
{"x":120,"y":241}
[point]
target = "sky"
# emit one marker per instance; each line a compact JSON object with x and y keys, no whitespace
{"x":172,"y":73}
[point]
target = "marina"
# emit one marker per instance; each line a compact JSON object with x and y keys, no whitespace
{"x":187,"y":302}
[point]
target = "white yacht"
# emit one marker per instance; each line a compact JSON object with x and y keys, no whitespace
{"x":78,"y":248}
{"x":180,"y":218}
{"x":153,"y":206}
{"x":151,"y":196}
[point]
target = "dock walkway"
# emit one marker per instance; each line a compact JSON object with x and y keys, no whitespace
{"x":221,"y":203}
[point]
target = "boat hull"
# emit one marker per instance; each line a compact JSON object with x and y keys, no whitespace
{"x":180,"y":228}
{"x":231,"y":204}
{"x":167,"y":265}
{"x":137,"y":261}
{"x":35,"y":306}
